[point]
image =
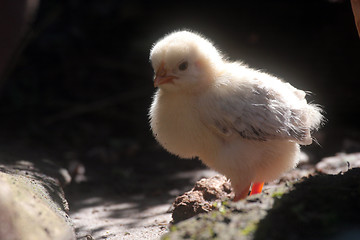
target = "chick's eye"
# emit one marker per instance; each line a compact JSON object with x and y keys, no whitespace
{"x":183,"y":66}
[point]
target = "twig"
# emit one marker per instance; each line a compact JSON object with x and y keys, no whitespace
{"x":355,"y":4}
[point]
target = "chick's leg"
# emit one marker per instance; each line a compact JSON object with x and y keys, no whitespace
{"x":256,"y":188}
{"x":242,"y":194}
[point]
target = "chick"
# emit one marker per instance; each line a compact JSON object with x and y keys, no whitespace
{"x":243,"y":123}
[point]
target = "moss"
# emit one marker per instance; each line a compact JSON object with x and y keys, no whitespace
{"x":173,"y":228}
{"x":221,"y":207}
{"x":249,"y":229}
{"x":222,"y":210}
{"x":277,"y":194}
{"x":212,"y":233}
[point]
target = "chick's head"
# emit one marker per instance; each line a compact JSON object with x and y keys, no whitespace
{"x":184,"y":61}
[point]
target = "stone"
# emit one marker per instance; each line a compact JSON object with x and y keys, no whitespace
{"x":201,"y":198}
{"x":339,"y":163}
{"x":32,"y":205}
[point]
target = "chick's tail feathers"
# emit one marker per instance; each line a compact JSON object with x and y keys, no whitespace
{"x":315,"y":115}
{"x":313,"y":120}
{"x":304,"y":121}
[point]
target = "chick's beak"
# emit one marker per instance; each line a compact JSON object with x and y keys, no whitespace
{"x":161,"y":76}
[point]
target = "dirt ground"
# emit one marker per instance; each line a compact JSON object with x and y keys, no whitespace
{"x":108,"y":216}
{"x":103,"y":212}
{"x":108,"y":203}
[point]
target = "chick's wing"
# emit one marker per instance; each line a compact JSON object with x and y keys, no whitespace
{"x":260,"y":113}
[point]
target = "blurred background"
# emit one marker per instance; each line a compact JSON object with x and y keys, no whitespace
{"x":76,"y":81}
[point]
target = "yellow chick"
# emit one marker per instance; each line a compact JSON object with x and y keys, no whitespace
{"x":243,"y":123}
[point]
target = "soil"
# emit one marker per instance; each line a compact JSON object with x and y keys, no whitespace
{"x":113,"y":204}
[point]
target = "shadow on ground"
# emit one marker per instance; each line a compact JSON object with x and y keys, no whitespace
{"x":131,"y":202}
{"x":320,"y":207}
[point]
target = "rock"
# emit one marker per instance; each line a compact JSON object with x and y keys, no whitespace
{"x":32,"y":205}
{"x":317,"y":207}
{"x":340,"y":163}
{"x":295,"y":175}
{"x":201,"y":198}
{"x":207,"y":192}
{"x":228,"y":220}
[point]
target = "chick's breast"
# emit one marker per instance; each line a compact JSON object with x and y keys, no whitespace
{"x":177,"y":126}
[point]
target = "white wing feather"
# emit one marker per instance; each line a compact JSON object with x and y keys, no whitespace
{"x":262,"y":108}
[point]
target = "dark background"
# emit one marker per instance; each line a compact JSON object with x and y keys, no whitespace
{"x":82,"y":84}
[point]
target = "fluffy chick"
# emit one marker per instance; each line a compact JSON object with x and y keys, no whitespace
{"x":243,"y":123}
